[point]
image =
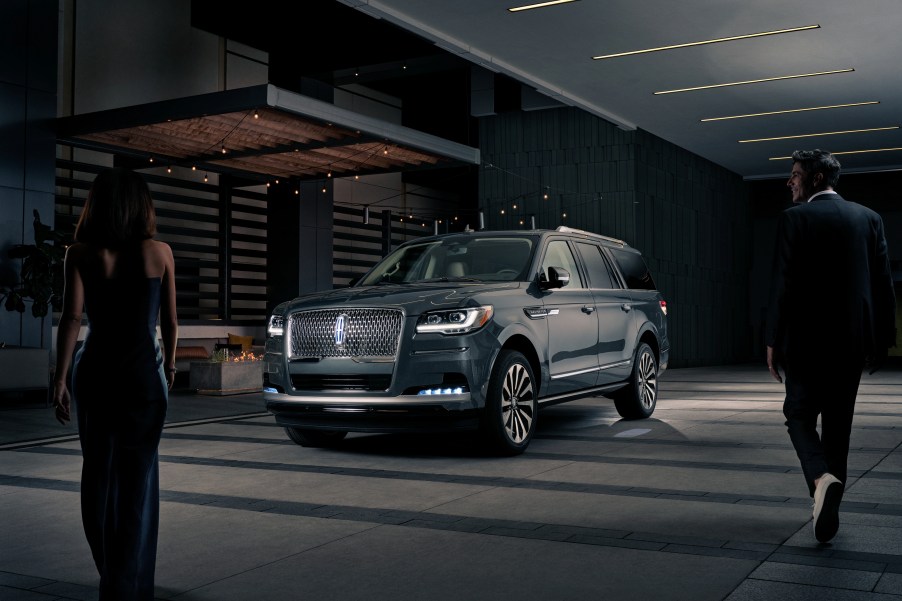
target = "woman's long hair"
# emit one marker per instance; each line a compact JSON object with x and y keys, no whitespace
{"x":118,"y":211}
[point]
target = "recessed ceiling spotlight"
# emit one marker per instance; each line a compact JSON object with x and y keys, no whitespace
{"x":517,"y":9}
{"x":802,"y":110}
{"x":845,"y":152}
{"x":751,"y":81}
{"x":826,"y":133}
{"x":705,"y":42}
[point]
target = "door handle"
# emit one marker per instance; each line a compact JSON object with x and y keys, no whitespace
{"x":588,"y":310}
{"x":626,"y":307}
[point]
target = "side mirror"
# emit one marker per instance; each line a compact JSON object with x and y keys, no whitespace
{"x":558,"y":277}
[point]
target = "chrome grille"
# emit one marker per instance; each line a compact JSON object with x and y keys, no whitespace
{"x":365,"y":333}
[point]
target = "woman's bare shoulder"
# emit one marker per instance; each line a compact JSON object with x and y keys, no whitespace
{"x":157,"y":248}
{"x":75,"y":251}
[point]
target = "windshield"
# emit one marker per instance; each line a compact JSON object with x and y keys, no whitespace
{"x":456,"y":258}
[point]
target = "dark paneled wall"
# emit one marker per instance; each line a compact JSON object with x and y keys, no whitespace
{"x":689,"y":216}
{"x":28,"y":45}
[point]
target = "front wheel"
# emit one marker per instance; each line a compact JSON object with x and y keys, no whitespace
{"x":638,"y":399}
{"x":511,"y":406}
{"x":315,"y":438}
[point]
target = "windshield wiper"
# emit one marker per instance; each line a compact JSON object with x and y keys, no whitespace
{"x":449,"y":279}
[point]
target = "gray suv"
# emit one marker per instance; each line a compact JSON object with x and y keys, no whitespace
{"x":473,"y":330}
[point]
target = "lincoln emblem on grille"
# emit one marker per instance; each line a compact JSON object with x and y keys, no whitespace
{"x":340,"y":333}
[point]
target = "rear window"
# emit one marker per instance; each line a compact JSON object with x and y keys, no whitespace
{"x":634,"y":269}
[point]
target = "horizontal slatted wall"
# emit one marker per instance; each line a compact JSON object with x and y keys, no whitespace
{"x":357,"y":246}
{"x":248,"y":254}
{"x":188,"y":219}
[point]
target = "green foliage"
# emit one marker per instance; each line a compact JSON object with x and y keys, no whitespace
{"x":41,"y":277}
{"x":220,"y":356}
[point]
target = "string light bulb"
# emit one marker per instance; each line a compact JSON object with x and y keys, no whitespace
{"x":205,"y":177}
{"x":151,"y":159}
{"x":169,"y":169}
{"x":223,"y":149}
{"x":256,"y":114}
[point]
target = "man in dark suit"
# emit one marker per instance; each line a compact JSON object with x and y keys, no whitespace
{"x":832,"y":309}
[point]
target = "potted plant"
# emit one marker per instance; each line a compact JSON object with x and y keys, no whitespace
{"x":41,"y":277}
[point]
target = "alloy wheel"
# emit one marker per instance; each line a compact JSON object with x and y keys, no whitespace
{"x":517,"y":403}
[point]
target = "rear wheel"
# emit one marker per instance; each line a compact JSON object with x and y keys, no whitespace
{"x":315,"y":438}
{"x":511,"y":405}
{"x":638,"y":399}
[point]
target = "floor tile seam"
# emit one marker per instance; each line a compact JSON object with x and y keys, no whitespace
{"x":781,"y":425}
{"x":51,"y":440}
{"x":46,"y":597}
{"x":606,"y":459}
{"x":510,"y":483}
{"x":520,"y":529}
{"x":869,"y":508}
{"x":815,"y":587}
{"x":498,"y":482}
{"x":831,"y":556}
{"x":689,"y":443}
{"x":225,"y":438}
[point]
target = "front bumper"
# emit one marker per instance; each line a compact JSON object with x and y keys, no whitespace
{"x":382,"y":396}
{"x":394,"y":414}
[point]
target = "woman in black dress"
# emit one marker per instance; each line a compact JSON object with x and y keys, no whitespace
{"x":123,"y":280}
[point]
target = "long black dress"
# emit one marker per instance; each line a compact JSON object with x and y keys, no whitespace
{"x":121,"y":396}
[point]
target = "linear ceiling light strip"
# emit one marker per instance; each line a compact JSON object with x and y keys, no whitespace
{"x":517,"y":9}
{"x":826,"y":133}
{"x":705,"y":42}
{"x":751,"y":81}
{"x":844,"y":152}
{"x":802,"y":110}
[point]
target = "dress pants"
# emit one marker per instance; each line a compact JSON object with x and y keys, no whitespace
{"x":120,"y":492}
{"x":827,"y":389}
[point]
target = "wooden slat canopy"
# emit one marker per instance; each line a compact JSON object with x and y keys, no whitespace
{"x":262,"y":131}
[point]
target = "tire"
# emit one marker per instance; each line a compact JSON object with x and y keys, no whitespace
{"x":511,"y":406}
{"x":638,"y":399}
{"x":315,"y":438}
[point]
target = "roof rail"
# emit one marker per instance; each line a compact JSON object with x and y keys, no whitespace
{"x":569,"y":230}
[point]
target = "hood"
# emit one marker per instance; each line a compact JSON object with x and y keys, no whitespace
{"x":412,"y":298}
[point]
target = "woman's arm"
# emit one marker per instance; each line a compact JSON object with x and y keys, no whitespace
{"x":169,"y":325}
{"x":67,"y":333}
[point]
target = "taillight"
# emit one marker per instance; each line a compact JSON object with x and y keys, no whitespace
{"x":664,"y":307}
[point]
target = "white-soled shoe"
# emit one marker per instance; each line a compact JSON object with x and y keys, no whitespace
{"x":827,"y":497}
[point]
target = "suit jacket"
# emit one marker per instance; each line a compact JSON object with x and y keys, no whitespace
{"x":832,"y":288}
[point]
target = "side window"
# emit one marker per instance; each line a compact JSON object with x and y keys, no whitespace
{"x":599,"y":273}
{"x":558,"y":254}
{"x":634,"y":270}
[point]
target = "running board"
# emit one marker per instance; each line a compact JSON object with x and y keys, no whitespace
{"x":579,"y":394}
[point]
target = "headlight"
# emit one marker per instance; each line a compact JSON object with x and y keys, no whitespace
{"x":455,"y":321}
{"x":276,"y":325}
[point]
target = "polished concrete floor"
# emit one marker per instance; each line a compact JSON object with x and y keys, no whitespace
{"x":703,"y":501}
